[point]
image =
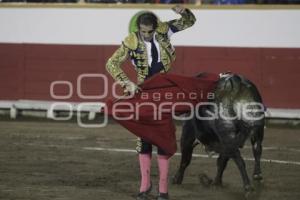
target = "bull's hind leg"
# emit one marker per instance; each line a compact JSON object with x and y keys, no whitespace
{"x":188,"y":138}
{"x":239,"y":161}
{"x":256,"y":141}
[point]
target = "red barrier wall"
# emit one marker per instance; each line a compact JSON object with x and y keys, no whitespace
{"x":27,"y":70}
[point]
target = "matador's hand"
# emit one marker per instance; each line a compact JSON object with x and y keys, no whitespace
{"x":179,"y":9}
{"x":131,"y":88}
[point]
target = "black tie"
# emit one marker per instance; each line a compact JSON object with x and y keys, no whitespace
{"x":154,"y":53}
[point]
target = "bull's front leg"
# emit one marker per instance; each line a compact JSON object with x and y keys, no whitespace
{"x":186,"y":144}
{"x":239,"y":161}
{"x":221,"y":165}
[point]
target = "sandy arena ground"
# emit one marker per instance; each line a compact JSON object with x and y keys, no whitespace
{"x":59,"y":161}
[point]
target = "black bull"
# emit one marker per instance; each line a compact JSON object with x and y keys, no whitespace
{"x":238,"y":114}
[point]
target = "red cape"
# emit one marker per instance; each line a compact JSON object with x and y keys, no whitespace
{"x":148,"y":114}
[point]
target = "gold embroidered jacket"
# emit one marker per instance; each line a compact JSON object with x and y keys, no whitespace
{"x":133,"y":46}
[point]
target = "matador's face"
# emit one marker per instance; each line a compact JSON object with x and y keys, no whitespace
{"x":146,"y":32}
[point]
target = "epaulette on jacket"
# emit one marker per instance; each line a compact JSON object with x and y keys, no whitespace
{"x":162,"y":27}
{"x":131,"y":41}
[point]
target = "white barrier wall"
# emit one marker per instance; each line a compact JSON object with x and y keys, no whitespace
{"x":214,"y":27}
{"x":37,"y":47}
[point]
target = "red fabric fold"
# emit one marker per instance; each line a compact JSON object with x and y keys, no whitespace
{"x":148,"y":114}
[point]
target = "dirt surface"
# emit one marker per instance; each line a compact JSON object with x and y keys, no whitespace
{"x":59,"y":161}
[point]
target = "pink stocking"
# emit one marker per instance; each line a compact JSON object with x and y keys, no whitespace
{"x":145,"y":168}
{"x":163,"y":165}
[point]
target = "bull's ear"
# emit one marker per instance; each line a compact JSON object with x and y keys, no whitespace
{"x":225,"y":84}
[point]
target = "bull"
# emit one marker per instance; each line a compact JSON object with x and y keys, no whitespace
{"x":223,"y":126}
